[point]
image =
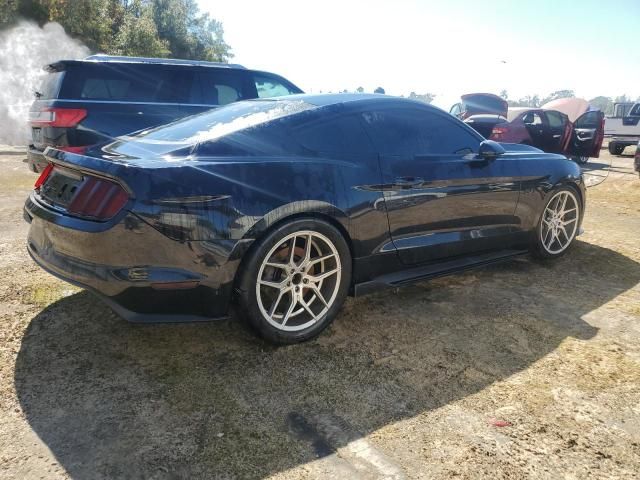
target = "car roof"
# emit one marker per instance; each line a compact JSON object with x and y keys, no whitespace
{"x":100,"y":58}
{"x":326,"y":99}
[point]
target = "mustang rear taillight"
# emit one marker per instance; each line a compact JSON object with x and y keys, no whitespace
{"x":43,"y":176}
{"x":57,"y":117}
{"x":98,"y":198}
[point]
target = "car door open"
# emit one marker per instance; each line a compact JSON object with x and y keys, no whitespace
{"x":587,"y":136}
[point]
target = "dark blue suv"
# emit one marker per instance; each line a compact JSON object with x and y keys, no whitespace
{"x":85,"y":102}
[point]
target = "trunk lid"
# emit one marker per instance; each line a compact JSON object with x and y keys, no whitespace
{"x":483,"y":103}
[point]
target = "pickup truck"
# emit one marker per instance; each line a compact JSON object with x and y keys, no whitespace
{"x":623,"y":127}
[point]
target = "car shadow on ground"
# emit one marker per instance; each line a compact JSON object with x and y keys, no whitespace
{"x":116,"y":400}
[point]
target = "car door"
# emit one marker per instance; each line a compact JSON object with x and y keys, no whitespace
{"x":441,"y":199}
{"x":588,"y":134}
{"x":536,"y":125}
{"x":558,"y":131}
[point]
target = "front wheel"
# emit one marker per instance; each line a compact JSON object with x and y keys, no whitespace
{"x":558,"y":224}
{"x":295,"y":281}
{"x":580,"y":160}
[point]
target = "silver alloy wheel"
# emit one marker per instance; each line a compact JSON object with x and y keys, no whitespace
{"x":298,"y":280}
{"x":559,"y":222}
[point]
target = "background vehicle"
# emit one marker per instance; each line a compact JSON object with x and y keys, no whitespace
{"x":479,"y":103}
{"x":293,"y":204}
{"x":552,"y":131}
{"x":90,"y":101}
{"x":623,"y":127}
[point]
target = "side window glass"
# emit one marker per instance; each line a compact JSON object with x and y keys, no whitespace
{"x":339,"y":134}
{"x":268,"y":86}
{"x":555,"y":120}
{"x":217,"y":88}
{"x":589,"y":120}
{"x":418,"y":132}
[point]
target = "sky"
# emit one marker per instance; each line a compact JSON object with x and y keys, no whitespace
{"x":447,"y":47}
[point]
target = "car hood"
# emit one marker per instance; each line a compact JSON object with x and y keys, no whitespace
{"x":478,"y":103}
{"x":571,"y":107}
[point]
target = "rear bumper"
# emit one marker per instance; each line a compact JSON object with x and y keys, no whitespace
{"x":140,"y":273}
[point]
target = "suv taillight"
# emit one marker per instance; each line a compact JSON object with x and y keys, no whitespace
{"x":57,"y":117}
{"x":98,"y":198}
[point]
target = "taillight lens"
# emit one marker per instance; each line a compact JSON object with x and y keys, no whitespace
{"x":98,"y":198}
{"x":43,"y":176}
{"x":57,"y":117}
{"x":497,"y":131}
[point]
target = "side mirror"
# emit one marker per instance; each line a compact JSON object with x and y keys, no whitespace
{"x":490,"y":150}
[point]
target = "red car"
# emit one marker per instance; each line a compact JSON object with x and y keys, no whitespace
{"x":549,"y":128}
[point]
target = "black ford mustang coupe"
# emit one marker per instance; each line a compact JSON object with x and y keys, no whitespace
{"x":289,"y":205}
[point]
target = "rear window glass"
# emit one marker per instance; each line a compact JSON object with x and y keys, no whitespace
{"x":49,"y":87}
{"x":483,"y":104}
{"x":152,"y":83}
{"x":206,"y":127}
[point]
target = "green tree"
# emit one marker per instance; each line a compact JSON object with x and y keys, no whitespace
{"x":504,"y":95}
{"x":424,"y":97}
{"x":360,"y":90}
{"x":190,"y":34}
{"x":603,"y":103}
{"x":558,"y":94}
{"x":138,"y":35}
{"x":129,"y":27}
{"x":379,"y":90}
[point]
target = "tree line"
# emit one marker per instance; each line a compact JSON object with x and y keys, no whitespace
{"x":151,"y":28}
{"x":605,"y":104}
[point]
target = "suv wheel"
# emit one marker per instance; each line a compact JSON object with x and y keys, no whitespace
{"x":295,"y":281}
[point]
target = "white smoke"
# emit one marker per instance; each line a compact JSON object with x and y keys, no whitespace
{"x":24,"y":50}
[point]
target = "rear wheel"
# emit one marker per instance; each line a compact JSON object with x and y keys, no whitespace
{"x":295,"y":281}
{"x":615,"y":148}
{"x":558,"y":224}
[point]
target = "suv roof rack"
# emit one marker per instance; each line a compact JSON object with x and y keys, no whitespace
{"x":163,"y":61}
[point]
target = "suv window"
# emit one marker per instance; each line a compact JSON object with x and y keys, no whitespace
{"x":127,"y":82}
{"x":405,"y":131}
{"x":456,"y":110}
{"x":217,"y":87}
{"x":270,"y":86}
{"x":49,"y":87}
{"x":635,"y":111}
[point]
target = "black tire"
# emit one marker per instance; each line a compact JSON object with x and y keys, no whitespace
{"x":580,"y":160}
{"x":538,"y":249}
{"x":252,"y":308}
{"x":615,"y":148}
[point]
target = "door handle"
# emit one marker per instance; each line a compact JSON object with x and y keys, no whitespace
{"x":409,"y":182}
{"x":557,"y":136}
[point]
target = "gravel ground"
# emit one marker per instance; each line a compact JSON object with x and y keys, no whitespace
{"x":522,"y":370}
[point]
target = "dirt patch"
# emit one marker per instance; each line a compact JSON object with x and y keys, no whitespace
{"x":523,"y":370}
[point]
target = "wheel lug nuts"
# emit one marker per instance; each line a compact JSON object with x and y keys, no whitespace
{"x":305,"y":280}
